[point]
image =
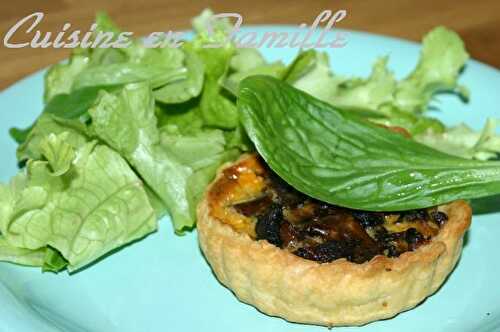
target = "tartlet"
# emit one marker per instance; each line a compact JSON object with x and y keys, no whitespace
{"x":334,"y":293}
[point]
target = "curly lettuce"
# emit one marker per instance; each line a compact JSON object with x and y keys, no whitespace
{"x":464,"y":142}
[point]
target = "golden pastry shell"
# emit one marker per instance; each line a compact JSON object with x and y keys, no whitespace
{"x":340,"y":293}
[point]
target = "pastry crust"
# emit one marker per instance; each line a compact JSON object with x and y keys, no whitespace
{"x":340,"y":293}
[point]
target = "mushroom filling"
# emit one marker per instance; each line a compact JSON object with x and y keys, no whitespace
{"x":323,"y":232}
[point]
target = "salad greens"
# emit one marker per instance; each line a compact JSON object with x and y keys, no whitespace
{"x":82,"y":202}
{"x":128,"y":135}
{"x":169,"y":163}
{"x":462,"y":141}
{"x":340,"y":158}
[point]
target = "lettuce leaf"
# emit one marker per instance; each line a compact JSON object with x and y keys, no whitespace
{"x":372,"y":94}
{"x":72,"y":105}
{"x":246,"y":59}
{"x":82,"y":212}
{"x":58,"y":153}
{"x":203,"y":152}
{"x":184,"y":117}
{"x":73,"y":87}
{"x":247,"y":62}
{"x":415,"y":124}
{"x":464,"y":142}
{"x":384,"y":100}
{"x":441,"y":60}
{"x":127,"y":122}
{"x":107,"y":67}
{"x":216,"y":109}
{"x":185,"y":89}
{"x":22,"y":256}
{"x":148,"y":122}
{"x":138,"y":63}
{"x":442,"y":57}
{"x":176,"y":166}
{"x":49,"y":124}
{"x":59,"y":78}
{"x":220,"y":27}
{"x":118,"y":74}
{"x":311,"y":72}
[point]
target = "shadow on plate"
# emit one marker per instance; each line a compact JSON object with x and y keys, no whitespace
{"x":486,"y":205}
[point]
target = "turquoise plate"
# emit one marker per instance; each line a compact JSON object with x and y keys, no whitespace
{"x":163,"y":283}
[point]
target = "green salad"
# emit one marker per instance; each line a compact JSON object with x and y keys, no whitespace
{"x":128,"y":135}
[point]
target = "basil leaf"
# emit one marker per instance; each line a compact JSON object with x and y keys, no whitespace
{"x":339,"y":158}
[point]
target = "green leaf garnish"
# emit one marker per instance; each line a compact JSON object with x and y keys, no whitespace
{"x":340,"y":158}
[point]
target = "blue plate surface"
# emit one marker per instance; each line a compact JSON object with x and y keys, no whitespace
{"x":163,"y":283}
